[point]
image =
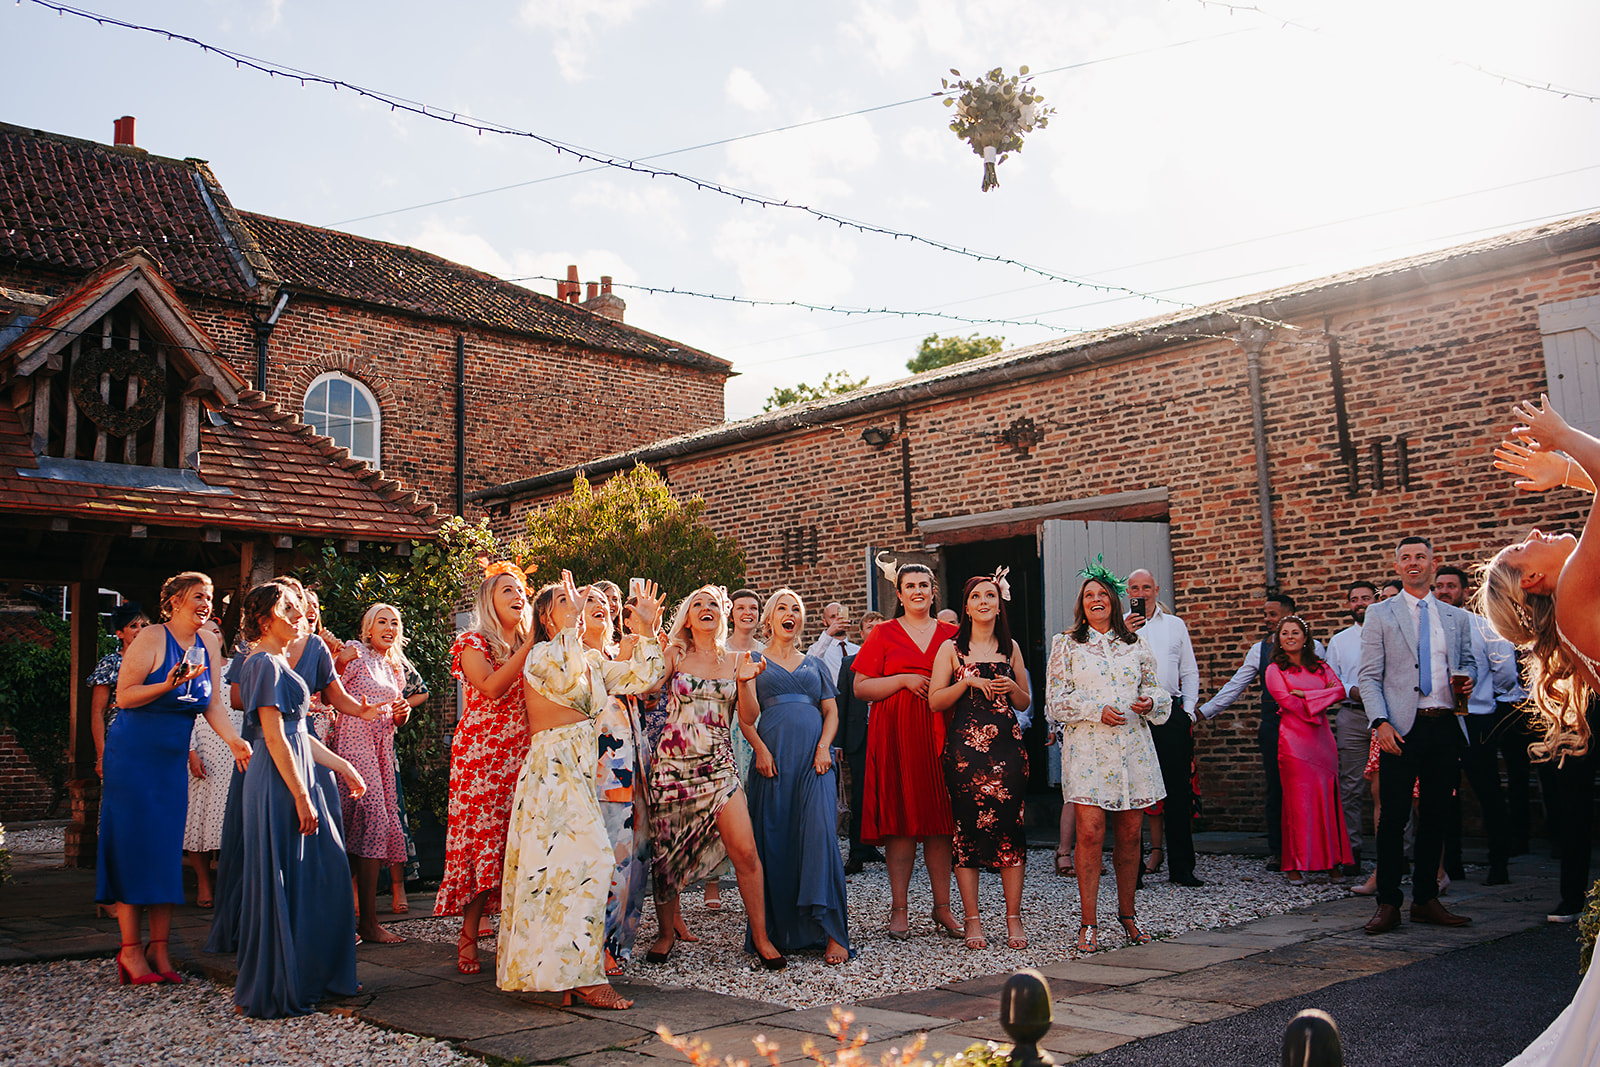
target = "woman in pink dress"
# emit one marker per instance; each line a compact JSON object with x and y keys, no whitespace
{"x":372,"y":832}
{"x":1305,"y":687}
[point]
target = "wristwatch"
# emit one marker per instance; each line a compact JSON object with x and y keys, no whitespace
{"x":1378,"y":722}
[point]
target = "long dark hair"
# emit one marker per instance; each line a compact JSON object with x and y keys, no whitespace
{"x":1308,"y":655}
{"x":1002,"y":625}
{"x":916,"y":568}
{"x":1080,"y":632}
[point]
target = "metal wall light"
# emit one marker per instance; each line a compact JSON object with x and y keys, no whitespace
{"x":876,"y":436}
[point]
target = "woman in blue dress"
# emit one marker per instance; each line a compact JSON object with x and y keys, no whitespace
{"x":311,"y":659}
{"x":794,"y":792}
{"x":297,"y":918}
{"x":169,"y":675}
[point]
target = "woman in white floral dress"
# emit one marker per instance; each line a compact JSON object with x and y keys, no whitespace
{"x":558,"y":857}
{"x":1101,"y":691}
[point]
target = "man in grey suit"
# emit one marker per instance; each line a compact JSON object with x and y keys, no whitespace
{"x":1416,"y":654}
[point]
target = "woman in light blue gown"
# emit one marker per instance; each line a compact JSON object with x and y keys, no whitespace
{"x":297,"y":917}
{"x":794,"y":790}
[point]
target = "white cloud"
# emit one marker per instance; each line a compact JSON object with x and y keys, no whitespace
{"x":657,"y":204}
{"x":743,"y":89}
{"x":573,"y":27}
{"x":806,"y":165}
{"x":790,"y":267}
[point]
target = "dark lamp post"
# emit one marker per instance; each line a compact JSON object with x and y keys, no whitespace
{"x":1025,"y":1017}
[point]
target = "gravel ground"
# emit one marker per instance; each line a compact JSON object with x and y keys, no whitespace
{"x":47,"y":839}
{"x":44,"y":1008}
{"x":1238,"y":890}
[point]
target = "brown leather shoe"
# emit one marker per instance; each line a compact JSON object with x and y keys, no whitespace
{"x":1386,"y":918}
{"x":1433,"y":912}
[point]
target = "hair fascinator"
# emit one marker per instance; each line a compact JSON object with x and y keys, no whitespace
{"x":999,"y":580}
{"x":889,"y":568}
{"x":504,"y":566}
{"x":1102,"y":574}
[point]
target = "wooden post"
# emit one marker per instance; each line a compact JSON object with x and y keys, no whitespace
{"x":83,"y":786}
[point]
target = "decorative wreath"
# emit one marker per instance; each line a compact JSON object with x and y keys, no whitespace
{"x":119,"y":363}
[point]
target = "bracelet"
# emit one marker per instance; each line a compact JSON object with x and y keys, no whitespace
{"x":1566,"y":478}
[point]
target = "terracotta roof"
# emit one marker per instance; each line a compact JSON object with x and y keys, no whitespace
{"x":279,"y":477}
{"x":347,"y":267}
{"x":70,"y":205}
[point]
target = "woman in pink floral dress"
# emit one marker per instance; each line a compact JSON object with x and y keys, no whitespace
{"x":486,"y":754}
{"x":372,"y":833}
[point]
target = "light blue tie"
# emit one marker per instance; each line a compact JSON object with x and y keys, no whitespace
{"x":1424,"y":649}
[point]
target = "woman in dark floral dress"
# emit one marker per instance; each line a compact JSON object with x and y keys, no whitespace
{"x":979,"y":682}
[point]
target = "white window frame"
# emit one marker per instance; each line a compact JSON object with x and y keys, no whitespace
{"x":361,"y":389}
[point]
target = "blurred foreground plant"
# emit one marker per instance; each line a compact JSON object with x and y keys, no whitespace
{"x":847,"y":1053}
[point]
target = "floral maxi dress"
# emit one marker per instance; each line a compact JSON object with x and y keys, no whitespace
{"x":486,"y":754}
{"x":558,"y":857}
{"x":1109,"y":767}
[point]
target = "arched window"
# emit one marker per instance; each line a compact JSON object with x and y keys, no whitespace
{"x":340,"y":407}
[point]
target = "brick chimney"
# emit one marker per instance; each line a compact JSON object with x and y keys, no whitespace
{"x":122,"y":132}
{"x":606,"y":304}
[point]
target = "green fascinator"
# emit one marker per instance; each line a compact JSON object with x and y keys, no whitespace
{"x":1102,"y":574}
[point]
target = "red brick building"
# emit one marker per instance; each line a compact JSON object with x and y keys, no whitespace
{"x":1378,"y":394}
{"x":446,"y":377}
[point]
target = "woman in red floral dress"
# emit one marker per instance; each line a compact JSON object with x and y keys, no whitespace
{"x":486,"y":755}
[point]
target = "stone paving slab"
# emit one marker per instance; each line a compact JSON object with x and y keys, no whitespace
{"x":1188,"y":1011}
{"x":1174,"y":955}
{"x":683,"y":1010}
{"x":577,"y":1038}
{"x":1100,"y":972}
{"x":943,"y":1003}
{"x":1111,"y":1020}
{"x":612,"y":1057}
{"x":1235,"y":937}
{"x":1245,"y":982}
{"x":880,"y":1023}
{"x":1360,"y":957}
{"x":455,"y":1012}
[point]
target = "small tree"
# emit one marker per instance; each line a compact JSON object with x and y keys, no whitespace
{"x":631,"y":527}
{"x":428,"y":587}
{"x":833,"y":383}
{"x":939,"y":351}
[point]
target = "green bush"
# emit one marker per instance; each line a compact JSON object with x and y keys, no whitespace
{"x":36,"y":697}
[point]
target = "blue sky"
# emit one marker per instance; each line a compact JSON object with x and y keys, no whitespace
{"x":1198,"y":152}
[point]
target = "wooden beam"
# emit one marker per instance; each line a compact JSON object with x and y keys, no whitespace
{"x":41,"y":411}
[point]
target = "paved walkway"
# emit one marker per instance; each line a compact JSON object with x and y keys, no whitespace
{"x":1101,"y":1002}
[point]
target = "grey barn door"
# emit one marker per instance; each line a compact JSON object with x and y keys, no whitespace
{"x":1068,"y":544}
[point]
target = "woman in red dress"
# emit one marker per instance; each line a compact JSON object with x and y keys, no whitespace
{"x":906,"y":800}
{"x":1305,"y":687}
{"x":486,"y":755}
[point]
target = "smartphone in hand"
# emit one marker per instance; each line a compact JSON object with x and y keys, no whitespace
{"x":1138,"y":607}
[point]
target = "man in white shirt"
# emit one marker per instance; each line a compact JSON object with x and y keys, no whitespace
{"x":831,"y":647}
{"x":1350,"y":718}
{"x":1276,"y":608}
{"x":1488,"y":707}
{"x":1179,"y":675}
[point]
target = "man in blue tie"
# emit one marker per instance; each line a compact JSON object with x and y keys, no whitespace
{"x":1416,"y":654}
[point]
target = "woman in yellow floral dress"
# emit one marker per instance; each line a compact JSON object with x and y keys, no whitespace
{"x":558,"y":858}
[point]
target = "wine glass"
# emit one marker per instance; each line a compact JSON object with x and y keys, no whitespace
{"x":194,"y":657}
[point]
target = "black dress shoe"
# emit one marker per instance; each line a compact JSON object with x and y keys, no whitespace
{"x":1274,"y":863}
{"x":1498,"y":876}
{"x":853,"y":865}
{"x":1386,"y":918}
{"x":1186,"y":879}
{"x":871,"y":855}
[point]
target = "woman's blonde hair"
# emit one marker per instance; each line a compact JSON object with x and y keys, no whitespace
{"x":177,"y":586}
{"x":486,"y":620}
{"x":765,"y":625}
{"x":396,"y":656}
{"x":1558,"y":694}
{"x":678,"y":637}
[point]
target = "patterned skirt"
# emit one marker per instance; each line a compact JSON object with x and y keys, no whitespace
{"x":558,"y":868}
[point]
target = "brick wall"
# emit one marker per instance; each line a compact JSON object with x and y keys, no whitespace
{"x":1440,"y":367}
{"x":24,"y":795}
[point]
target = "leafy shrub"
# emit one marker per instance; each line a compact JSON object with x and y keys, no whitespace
{"x":36,"y":696}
